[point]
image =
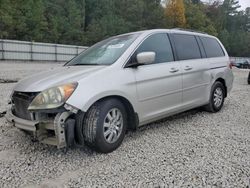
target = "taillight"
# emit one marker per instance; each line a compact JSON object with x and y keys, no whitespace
{"x":230,"y":65}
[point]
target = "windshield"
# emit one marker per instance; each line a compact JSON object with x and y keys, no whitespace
{"x":105,"y":52}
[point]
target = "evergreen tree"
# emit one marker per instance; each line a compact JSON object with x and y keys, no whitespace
{"x":6,"y":18}
{"x":197,"y":19}
{"x":19,"y":16}
{"x":72,"y":27}
{"x":153,"y":14}
{"x":85,"y":22}
{"x":35,"y":21}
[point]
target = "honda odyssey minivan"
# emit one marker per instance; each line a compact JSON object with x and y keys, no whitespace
{"x":122,"y":83}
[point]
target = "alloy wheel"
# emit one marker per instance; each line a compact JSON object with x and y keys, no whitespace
{"x":113,"y":125}
{"x":218,"y":97}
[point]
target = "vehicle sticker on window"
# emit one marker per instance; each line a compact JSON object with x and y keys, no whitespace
{"x":116,"y":46}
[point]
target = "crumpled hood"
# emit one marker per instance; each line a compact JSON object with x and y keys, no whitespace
{"x":54,"y":77}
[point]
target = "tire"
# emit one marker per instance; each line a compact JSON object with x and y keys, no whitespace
{"x":109,"y":117}
{"x":217,"y":98}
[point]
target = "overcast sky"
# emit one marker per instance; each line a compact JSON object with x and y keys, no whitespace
{"x":244,"y":4}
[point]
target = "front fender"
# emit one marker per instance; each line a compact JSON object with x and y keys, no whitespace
{"x":90,"y":100}
{"x":120,"y":82}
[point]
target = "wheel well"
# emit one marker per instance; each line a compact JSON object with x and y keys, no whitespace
{"x":133,"y":119}
{"x":224,"y":84}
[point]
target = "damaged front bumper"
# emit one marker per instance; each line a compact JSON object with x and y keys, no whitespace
{"x":57,"y":130}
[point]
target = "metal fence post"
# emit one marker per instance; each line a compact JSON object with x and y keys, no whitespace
{"x":31,"y":51}
{"x":77,"y":50}
{"x":2,"y":46}
{"x":55,"y":52}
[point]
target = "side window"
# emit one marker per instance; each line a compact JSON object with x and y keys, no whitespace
{"x":186,"y":47}
{"x":212,"y":47}
{"x":160,"y":44}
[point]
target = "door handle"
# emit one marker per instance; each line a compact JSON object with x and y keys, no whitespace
{"x":188,"y":68}
{"x":173,"y":70}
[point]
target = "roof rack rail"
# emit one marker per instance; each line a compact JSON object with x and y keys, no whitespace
{"x":190,"y":30}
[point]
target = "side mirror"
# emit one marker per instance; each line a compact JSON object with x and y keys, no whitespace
{"x":145,"y":57}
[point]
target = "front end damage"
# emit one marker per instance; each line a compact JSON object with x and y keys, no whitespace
{"x":54,"y":127}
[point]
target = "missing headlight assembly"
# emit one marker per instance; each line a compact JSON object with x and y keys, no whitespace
{"x":43,"y":114}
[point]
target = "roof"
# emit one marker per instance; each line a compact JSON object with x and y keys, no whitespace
{"x":174,"y":30}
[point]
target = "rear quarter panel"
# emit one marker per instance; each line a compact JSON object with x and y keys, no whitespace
{"x":219,"y":68}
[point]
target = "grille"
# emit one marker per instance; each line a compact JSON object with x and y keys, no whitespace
{"x":21,"y":101}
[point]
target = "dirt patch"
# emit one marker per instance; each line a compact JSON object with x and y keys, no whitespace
{"x":2,"y":114}
{"x":7,"y":81}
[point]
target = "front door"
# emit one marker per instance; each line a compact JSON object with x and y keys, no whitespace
{"x":159,"y":85}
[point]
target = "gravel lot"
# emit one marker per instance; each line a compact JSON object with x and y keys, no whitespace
{"x":195,"y":148}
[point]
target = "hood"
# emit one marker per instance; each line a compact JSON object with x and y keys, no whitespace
{"x":54,"y":77}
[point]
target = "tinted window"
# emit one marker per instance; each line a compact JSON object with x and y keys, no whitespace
{"x":212,"y":47}
{"x":186,"y":47}
{"x":158,"y":43}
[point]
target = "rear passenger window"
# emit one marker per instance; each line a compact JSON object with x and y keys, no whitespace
{"x":186,"y":47}
{"x":212,"y":47}
{"x":160,"y":44}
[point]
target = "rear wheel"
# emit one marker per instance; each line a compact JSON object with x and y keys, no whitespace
{"x":103,"y":126}
{"x":217,"y":97}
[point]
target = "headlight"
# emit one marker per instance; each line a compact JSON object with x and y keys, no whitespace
{"x":53,"y":97}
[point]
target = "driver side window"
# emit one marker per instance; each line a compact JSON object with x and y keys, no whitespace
{"x":160,"y":44}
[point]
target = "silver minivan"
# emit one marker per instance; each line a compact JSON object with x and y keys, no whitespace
{"x":122,"y":83}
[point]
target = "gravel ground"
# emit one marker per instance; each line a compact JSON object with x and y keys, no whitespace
{"x":14,"y":71}
{"x":195,"y":148}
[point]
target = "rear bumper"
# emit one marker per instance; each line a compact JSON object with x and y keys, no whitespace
{"x":21,"y":123}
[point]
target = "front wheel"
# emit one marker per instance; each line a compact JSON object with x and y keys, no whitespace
{"x":217,"y":98}
{"x":104,"y":125}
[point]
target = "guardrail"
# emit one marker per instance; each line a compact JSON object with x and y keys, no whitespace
{"x":35,"y":51}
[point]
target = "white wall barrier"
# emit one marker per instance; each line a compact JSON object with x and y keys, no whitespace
{"x":34,"y":51}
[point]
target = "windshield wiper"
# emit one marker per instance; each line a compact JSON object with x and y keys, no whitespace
{"x":84,"y":64}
